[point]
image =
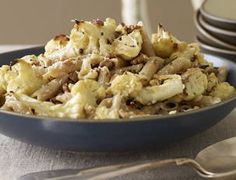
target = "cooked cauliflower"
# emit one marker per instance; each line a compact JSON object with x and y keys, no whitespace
{"x":212,"y":81}
{"x":23,"y":79}
{"x":84,"y":92}
{"x":164,"y":43}
{"x":171,"y":86}
{"x":129,"y":45}
{"x":86,"y":71}
{"x":4,"y":78}
{"x":60,"y":48}
{"x":223,"y":91}
{"x":125,"y":84}
{"x":31,"y":59}
{"x":56,"y":44}
{"x":195,"y":83}
{"x":19,"y":102}
{"x":88,"y":37}
{"x":103,"y":112}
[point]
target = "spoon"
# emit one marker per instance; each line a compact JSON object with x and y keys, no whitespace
{"x":217,"y":161}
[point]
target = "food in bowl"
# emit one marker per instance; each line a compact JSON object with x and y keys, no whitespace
{"x":106,"y":71}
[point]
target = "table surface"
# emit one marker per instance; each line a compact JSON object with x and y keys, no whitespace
{"x":17,"y":158}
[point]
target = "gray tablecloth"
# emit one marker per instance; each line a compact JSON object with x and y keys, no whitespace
{"x":17,"y":158}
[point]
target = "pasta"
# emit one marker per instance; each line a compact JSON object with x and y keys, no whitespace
{"x":103,"y":70}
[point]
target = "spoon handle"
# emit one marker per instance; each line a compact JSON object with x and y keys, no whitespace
{"x":107,"y":172}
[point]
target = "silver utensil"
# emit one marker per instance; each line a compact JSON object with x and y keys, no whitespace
{"x":217,"y":161}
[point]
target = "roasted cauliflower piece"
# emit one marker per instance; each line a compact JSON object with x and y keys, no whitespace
{"x":164,"y":43}
{"x":222,"y":73}
{"x":19,"y":102}
{"x":84,"y":93}
{"x":223,"y":91}
{"x":125,"y":84}
{"x":104,"y":112}
{"x":31,"y":59}
{"x":212,"y":81}
{"x":60,"y":48}
{"x":128,"y":46}
{"x":57,"y":43}
{"x":88,"y":37}
{"x":13,"y":104}
{"x":5,"y":76}
{"x":204,"y":101}
{"x":195,"y":82}
{"x":23,"y":79}
{"x":86,"y":71}
{"x":172,"y":85}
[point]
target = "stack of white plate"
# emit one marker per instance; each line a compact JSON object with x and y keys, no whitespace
{"x":216,"y":26}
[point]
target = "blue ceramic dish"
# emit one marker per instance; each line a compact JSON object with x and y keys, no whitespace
{"x":112,"y":135}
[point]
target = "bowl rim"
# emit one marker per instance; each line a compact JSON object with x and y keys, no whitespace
{"x":213,"y":48}
{"x":209,"y":36}
{"x":215,"y":18}
{"x":215,"y":29}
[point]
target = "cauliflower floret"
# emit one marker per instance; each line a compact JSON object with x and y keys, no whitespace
{"x":23,"y":79}
{"x":24,"y":103}
{"x":107,"y":32}
{"x":130,"y":84}
{"x":125,"y":84}
{"x":195,"y":83}
{"x":84,"y":93}
{"x":31,"y":59}
{"x":223,"y":91}
{"x":17,"y":101}
{"x":212,"y":81}
{"x":59,"y":48}
{"x":56,"y":44}
{"x":191,"y":52}
{"x":93,"y":37}
{"x":129,"y":45}
{"x":103,"y":112}
{"x":164,"y":43}
{"x":86,"y":37}
{"x":87,"y":72}
{"x":197,"y":57}
{"x":90,"y":89}
{"x":171,"y":86}
{"x":78,"y":38}
{"x":4,"y":73}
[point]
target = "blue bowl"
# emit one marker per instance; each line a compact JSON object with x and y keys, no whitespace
{"x":113,"y":134}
